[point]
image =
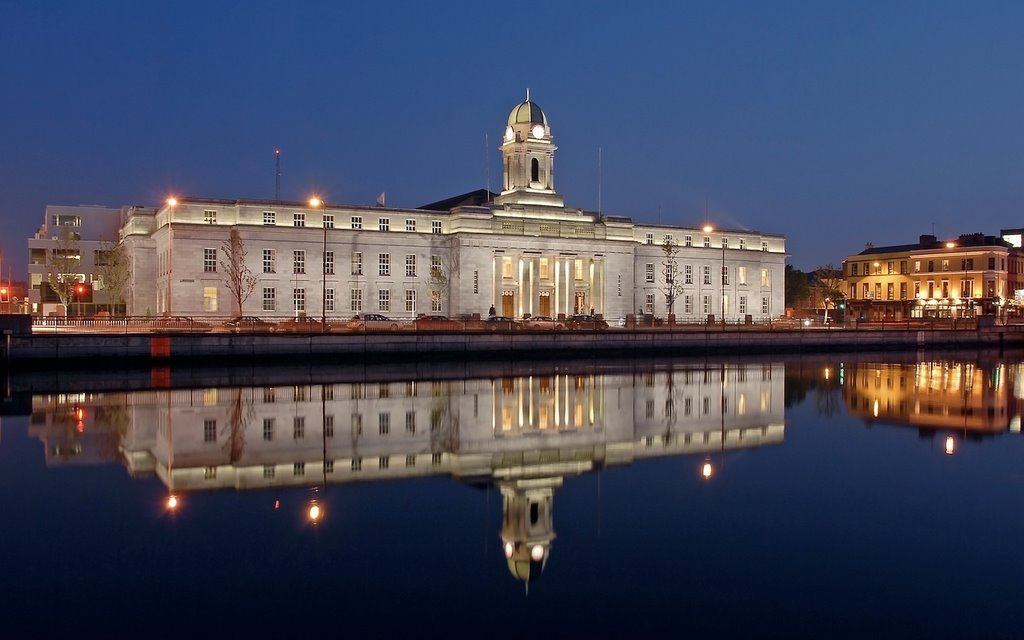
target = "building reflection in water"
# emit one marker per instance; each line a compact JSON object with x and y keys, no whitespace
{"x":522,"y":434}
{"x":958,"y":399}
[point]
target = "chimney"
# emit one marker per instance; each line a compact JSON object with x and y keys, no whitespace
{"x":927,"y":240}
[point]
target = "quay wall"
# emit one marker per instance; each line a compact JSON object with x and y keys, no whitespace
{"x":99,"y":349}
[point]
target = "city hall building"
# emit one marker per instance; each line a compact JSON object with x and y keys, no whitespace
{"x":521,"y":251}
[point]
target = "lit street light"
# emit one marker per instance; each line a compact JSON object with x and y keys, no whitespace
{"x":317,"y":202}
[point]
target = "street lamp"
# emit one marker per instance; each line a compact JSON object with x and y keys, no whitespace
{"x":172,"y":202}
{"x":708,"y":229}
{"x":316,"y":202}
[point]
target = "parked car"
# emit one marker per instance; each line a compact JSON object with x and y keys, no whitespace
{"x":249,"y":324}
{"x":499,"y":323}
{"x":437,"y":323}
{"x":585,"y":321}
{"x":374,"y":322}
{"x":541,"y":322}
{"x":178,"y":323}
{"x":306,"y":324}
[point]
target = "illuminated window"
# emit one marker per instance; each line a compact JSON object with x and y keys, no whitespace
{"x":741,"y":275}
{"x":544,"y":269}
{"x":210,"y":299}
{"x":766,"y":279}
{"x":506,"y":267}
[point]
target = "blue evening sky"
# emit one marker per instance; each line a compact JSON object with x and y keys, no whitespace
{"x":833,"y":123}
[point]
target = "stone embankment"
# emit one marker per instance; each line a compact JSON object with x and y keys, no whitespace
{"x":106,"y":349}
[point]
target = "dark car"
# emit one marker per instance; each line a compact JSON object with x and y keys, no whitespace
{"x":437,"y":323}
{"x":307,"y":324}
{"x":249,"y":324}
{"x":499,"y":323}
{"x":585,"y":321}
{"x":541,"y":322}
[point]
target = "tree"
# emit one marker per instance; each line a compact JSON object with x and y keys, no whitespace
{"x":672,"y":286}
{"x":63,"y":264}
{"x":239,"y":278}
{"x":440,"y":278}
{"x":113,"y":272}
{"x":797,"y":287}
{"x":829,"y":286}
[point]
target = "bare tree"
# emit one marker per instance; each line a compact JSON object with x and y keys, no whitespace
{"x":829,"y":285}
{"x":672,"y":286}
{"x":63,"y":264}
{"x":113,"y":272}
{"x":440,"y":279}
{"x":239,"y":278}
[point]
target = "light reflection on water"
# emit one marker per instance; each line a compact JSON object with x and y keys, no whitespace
{"x":606,"y":497}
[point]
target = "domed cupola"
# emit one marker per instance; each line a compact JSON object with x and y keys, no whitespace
{"x":528,"y":154}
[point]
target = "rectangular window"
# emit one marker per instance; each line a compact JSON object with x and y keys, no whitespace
{"x":269,"y":218}
{"x":268,"y":472}
{"x":903,"y":266}
{"x":299,"y":299}
{"x":329,"y":300}
{"x":269,"y":299}
{"x":766,"y":278}
{"x":210,"y":299}
{"x":357,"y":222}
{"x":410,"y":422}
{"x":917,"y":266}
{"x":890,"y":291}
{"x":544,"y":269}
{"x":764,"y":246}
{"x":889,"y":266}
{"x":764,"y":305}
{"x":743,"y":244}
{"x":410,"y":265}
{"x":209,"y":430}
{"x":853,"y":268}
{"x":707,"y":241}
{"x":384,"y":300}
{"x":329,"y":426}
{"x":945,"y":265}
{"x":384,"y":264}
{"x":688,"y":274}
{"x":649,"y":238}
{"x":866,"y":291}
{"x":410,"y":301}
{"x":384,"y":224}
{"x":356,"y":300}
{"x":299,"y":469}
{"x":269,"y":260}
{"x":298,"y":427}
{"x":706,"y":274}
{"x":435,"y":265}
{"x":476,"y":282}
{"x":649,"y":303}
{"x":209,"y":260}
{"x":435,"y":301}
{"x":384,"y":423}
{"x":210,"y":216}
{"x":357,"y":263}
{"x":579,"y":269}
{"x":688,"y":305}
{"x":741,"y":275}
{"x":329,"y":263}
{"x":298,"y":219}
{"x":725,"y":243}
{"x":299,"y":261}
{"x":435,"y":226}
{"x":506,"y":268}
{"x":743,"y":304}
{"x":328,"y":220}
{"x":903,"y":291}
{"x":410,"y":225}
{"x":991,"y":264}
{"x":268,"y":429}
{"x":970,"y":264}
{"x":688,"y":240}
{"x":725,"y":275}
{"x":649,"y":272}
{"x":706,"y":304}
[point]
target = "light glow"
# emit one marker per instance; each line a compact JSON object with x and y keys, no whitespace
{"x":172,"y":202}
{"x":509,"y":549}
{"x":315,"y":513}
{"x":315,"y":202}
{"x":950,"y":445}
{"x":537,"y":553}
{"x":707,"y":470}
{"x":172,"y":502}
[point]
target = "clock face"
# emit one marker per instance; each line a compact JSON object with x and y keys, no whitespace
{"x":508,"y":132}
{"x":538,"y":131}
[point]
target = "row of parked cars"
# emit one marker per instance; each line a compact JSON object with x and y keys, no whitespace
{"x":379,"y":322}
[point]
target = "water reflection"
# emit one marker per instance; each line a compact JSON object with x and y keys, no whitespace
{"x":963,"y":399}
{"x":521,"y":434}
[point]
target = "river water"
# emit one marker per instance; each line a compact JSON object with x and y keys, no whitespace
{"x":839,"y":497}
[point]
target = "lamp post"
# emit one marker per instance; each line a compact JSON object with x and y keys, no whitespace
{"x":318,"y":202}
{"x":172,"y":202}
{"x":708,"y":229}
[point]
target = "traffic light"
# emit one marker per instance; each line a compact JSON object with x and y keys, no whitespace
{"x":83,"y":292}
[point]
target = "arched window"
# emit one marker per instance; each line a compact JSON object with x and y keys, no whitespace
{"x":534,"y":170}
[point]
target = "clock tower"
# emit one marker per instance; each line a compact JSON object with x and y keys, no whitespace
{"x":528,"y":158}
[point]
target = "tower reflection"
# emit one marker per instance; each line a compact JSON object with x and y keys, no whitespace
{"x":523,"y":435}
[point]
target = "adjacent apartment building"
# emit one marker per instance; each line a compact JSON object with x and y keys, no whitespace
{"x":971,"y":275}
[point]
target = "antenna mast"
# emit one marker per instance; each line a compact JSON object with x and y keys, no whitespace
{"x":277,"y":174}
{"x":487,"y":165}
{"x":599,"y":182}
